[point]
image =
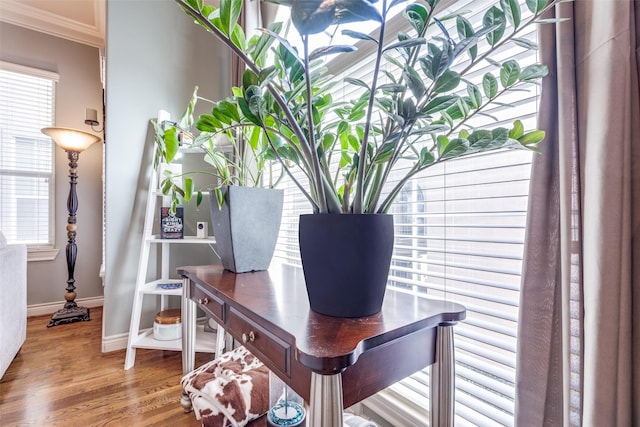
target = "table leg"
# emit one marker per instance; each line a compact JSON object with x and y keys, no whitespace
{"x":442,"y":379}
{"x":325,"y":406}
{"x":188,"y":338}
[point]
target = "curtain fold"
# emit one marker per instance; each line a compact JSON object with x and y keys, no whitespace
{"x":579,"y":319}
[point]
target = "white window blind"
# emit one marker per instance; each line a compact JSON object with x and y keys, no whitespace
{"x":459,"y":236}
{"x":26,"y":155}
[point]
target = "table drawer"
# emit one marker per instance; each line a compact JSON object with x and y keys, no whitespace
{"x":209,"y":303}
{"x":267,"y":346}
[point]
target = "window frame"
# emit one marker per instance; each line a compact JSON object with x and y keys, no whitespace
{"x":48,"y":251}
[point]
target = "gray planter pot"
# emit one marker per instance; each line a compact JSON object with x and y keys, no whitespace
{"x":246,"y":226}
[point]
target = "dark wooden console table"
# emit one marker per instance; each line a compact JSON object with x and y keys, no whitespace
{"x":331,"y":362}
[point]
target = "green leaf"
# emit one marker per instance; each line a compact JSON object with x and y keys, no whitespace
{"x":511,"y":10}
{"x":171,"y":143}
{"x":509,"y":73}
{"x":474,"y":95}
{"x":490,"y":85}
{"x":480,"y":139}
{"x":199,"y":198}
{"x":414,"y":82}
{"x":249,"y":78}
{"x":534,"y":72}
{"x":343,"y":126}
{"x":441,"y":143}
{"x":362,"y":10}
{"x":229,"y":14}
{"x":330,"y":50}
{"x":208,"y":123}
{"x":356,"y":82}
{"x":524,"y":43}
{"x":536,"y":6}
{"x":500,"y":137}
{"x":494,"y":17}
{"x":229,"y":110}
{"x":238,"y":38}
{"x":311,"y":17}
{"x":265,"y":41}
{"x":448,"y":81}
{"x":404,"y":44}
{"x":455,"y":148}
{"x":426,"y":157}
{"x":418,"y":16}
{"x":219,"y":196}
{"x":465,"y":31}
{"x":246,"y":111}
{"x":436,"y":63}
{"x":187,"y":184}
{"x":186,"y":121}
{"x":517,"y":131}
{"x":358,"y":35}
{"x":384,"y":153}
{"x":392,"y":87}
{"x":532,"y":138}
{"x":284,"y":45}
{"x":432,"y":3}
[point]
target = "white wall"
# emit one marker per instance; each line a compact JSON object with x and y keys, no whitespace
{"x":79,"y":87}
{"x":155,"y":56}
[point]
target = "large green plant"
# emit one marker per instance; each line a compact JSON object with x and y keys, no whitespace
{"x":234,"y":163}
{"x":419,"y":116}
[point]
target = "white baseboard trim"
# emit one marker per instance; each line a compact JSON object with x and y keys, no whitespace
{"x":52,"y":307}
{"x":114,"y":342}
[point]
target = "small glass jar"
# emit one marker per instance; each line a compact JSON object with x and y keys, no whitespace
{"x":167,"y":325}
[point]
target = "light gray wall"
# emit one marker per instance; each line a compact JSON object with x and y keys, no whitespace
{"x":79,"y":87}
{"x":155,"y":56}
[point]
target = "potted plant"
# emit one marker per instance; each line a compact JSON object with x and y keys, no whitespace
{"x":245,"y":216}
{"x":413,"y":114}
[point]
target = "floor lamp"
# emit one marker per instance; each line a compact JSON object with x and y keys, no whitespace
{"x":73,"y":142}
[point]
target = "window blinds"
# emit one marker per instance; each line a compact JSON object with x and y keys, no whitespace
{"x":26,"y":155}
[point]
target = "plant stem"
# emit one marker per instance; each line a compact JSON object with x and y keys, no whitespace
{"x":315,"y":162}
{"x":358,"y":197}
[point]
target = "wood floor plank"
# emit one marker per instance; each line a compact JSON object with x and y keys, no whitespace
{"x":61,"y":378}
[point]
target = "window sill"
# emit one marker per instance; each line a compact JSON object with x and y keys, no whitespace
{"x":41,"y":254}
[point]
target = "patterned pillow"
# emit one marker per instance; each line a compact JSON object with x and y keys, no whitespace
{"x":231,"y":390}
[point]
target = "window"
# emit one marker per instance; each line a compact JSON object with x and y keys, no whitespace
{"x":459,"y":236}
{"x":27,"y":156}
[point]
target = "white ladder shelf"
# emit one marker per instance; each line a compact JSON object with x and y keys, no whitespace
{"x":205,"y":341}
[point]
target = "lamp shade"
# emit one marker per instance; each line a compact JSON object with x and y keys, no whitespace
{"x":71,"y":139}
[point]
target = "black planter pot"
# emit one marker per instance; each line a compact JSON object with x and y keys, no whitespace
{"x":246,"y":226}
{"x":346,"y":259}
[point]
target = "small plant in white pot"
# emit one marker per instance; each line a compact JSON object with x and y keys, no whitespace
{"x":413,"y":113}
{"x":245,"y":216}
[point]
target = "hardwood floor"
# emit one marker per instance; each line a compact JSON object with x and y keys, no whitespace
{"x":60,"y":378}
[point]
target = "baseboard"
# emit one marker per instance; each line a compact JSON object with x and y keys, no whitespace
{"x":52,"y":307}
{"x":114,"y":342}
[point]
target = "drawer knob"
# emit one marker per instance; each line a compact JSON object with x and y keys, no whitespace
{"x":203,"y":301}
{"x":248,"y":337}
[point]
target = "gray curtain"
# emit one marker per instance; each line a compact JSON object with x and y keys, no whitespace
{"x":579,"y":329}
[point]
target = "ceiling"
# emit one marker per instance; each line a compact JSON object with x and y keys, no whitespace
{"x":82,"y":21}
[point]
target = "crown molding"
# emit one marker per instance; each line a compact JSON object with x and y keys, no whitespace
{"x":27,"y":16}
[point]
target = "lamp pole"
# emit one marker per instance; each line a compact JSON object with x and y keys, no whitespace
{"x":73,"y":142}
{"x":71,"y":311}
